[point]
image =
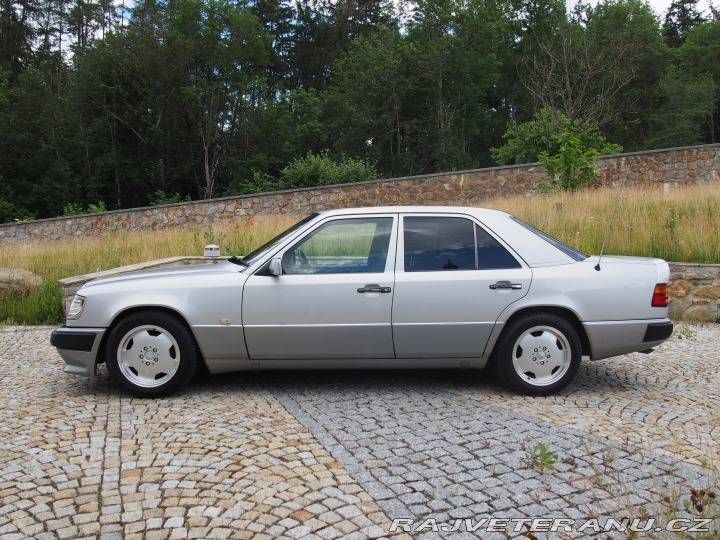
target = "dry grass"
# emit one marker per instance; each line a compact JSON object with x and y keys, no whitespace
{"x":682,"y":224}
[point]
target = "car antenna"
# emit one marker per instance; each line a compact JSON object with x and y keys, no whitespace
{"x":607,"y":233}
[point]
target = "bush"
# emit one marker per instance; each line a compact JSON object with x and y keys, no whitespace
{"x":322,"y":170}
{"x":527,"y":141}
{"x":160,"y":197}
{"x":571,"y":166}
{"x":566,"y":148}
{"x":310,"y":171}
{"x":10,"y":212}
{"x":74,"y":209}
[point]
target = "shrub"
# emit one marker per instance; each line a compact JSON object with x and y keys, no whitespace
{"x":74,"y":209}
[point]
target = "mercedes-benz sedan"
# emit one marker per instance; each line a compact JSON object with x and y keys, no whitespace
{"x":391,"y":287}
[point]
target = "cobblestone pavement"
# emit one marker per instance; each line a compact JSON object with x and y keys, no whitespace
{"x":340,"y":454}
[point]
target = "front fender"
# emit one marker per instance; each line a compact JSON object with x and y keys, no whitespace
{"x":211,"y":304}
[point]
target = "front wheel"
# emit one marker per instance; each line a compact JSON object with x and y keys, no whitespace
{"x":151,"y":354}
{"x":539,"y":354}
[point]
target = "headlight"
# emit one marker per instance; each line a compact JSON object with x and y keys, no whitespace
{"x":76,"y":307}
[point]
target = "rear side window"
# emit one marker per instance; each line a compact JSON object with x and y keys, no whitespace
{"x":435,"y":244}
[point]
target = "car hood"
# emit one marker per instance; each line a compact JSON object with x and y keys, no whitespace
{"x":165,"y":273}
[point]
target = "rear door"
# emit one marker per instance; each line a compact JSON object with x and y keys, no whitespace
{"x":453,"y":279}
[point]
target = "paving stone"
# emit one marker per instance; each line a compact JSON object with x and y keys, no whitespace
{"x":484,"y":453}
{"x":121,"y":466}
{"x":338,"y":455}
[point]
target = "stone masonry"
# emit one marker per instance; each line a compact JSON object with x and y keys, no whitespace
{"x":688,"y":165}
{"x":695,"y":292}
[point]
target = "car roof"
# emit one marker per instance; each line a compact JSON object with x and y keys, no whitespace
{"x":476,"y":211}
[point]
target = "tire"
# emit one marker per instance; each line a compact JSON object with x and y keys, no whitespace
{"x":539,"y":354}
{"x":151,"y":354}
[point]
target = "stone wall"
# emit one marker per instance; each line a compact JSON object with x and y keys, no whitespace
{"x":695,"y":292}
{"x":689,"y":165}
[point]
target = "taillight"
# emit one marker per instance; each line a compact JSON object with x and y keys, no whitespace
{"x":660,"y":295}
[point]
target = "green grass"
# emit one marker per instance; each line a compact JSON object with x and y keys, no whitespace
{"x":681,"y":225}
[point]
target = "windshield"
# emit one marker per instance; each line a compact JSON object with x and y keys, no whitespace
{"x":567,"y":250}
{"x":251,"y":257}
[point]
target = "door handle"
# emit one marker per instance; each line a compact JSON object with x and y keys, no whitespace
{"x":506,"y":285}
{"x":374,"y":288}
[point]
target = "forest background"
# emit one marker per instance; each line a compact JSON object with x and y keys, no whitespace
{"x":107,"y":106}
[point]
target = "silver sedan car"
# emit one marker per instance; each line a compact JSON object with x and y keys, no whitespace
{"x":386,"y":287}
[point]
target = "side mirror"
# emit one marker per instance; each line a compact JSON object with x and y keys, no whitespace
{"x":275,"y":267}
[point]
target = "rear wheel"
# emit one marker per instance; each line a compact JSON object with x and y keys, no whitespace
{"x":539,"y":354}
{"x":151,"y":354}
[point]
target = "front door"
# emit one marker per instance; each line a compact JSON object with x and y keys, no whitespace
{"x":334,"y":298}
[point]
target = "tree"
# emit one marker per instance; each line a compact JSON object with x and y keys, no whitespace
{"x":682,"y":16}
{"x":10,"y":211}
{"x":324,"y":30}
{"x":367,"y":108}
{"x":34,"y":161}
{"x":229,"y":52}
{"x":688,"y":103}
{"x":574,"y":72}
{"x":427,"y":100}
{"x":126,"y":94}
{"x":630,"y":26}
{"x":535,"y":21}
{"x":458,"y":75}
{"x":16,"y":34}
{"x":275,"y":134}
{"x":700,"y":57}
{"x":277,"y":20}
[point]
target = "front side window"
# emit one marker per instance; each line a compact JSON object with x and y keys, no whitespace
{"x":435,"y":244}
{"x":257,"y":253}
{"x":344,"y":246}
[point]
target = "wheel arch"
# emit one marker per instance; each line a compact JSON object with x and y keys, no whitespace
{"x":565,"y":313}
{"x":125,"y":313}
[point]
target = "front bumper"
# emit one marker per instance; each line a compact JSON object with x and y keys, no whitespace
{"x":613,"y":338}
{"x":78,"y":347}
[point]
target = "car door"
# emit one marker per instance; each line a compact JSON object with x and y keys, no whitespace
{"x":453,"y":279}
{"x":334,"y":297}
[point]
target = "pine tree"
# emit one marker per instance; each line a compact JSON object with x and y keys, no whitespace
{"x":682,"y":15}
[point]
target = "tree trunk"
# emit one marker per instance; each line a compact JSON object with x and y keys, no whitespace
{"x":209,"y":170}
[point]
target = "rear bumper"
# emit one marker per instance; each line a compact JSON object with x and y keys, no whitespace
{"x":613,"y":338}
{"x":78,"y":347}
{"x":658,"y":331}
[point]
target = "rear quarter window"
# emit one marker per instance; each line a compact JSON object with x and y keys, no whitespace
{"x":492,"y":255}
{"x":567,"y":250}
